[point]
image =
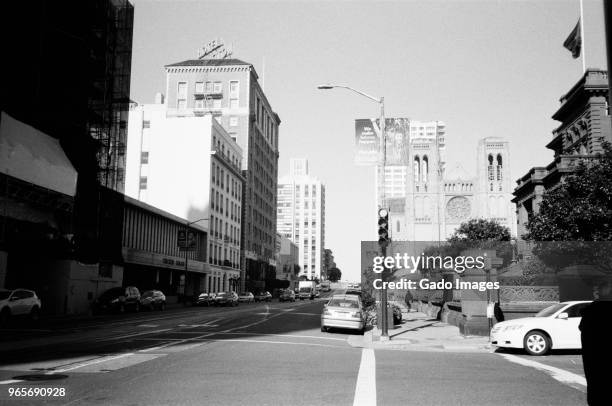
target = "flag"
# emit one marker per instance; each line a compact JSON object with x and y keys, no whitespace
{"x":574,"y":42}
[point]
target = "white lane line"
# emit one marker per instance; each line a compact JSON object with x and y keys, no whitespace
{"x":365,"y":390}
{"x":85,"y":364}
{"x":133,"y":335}
{"x":10,"y":381}
{"x":574,"y":380}
{"x":308,"y":314}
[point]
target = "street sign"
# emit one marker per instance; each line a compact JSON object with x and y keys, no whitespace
{"x":186,"y":240}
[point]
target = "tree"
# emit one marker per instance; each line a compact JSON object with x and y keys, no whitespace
{"x":480,"y":230}
{"x":334,"y":274}
{"x":296,"y":269}
{"x":574,"y":222}
{"x":316,"y":280}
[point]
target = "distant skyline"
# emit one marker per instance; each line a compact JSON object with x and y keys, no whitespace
{"x":485,"y":68}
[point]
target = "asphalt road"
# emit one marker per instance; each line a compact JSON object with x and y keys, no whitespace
{"x":254,"y":354}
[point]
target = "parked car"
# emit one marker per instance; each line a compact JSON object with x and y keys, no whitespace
{"x":286,"y":295}
{"x":343,"y":311}
{"x":226,"y":299}
{"x":19,"y":302}
{"x":263,"y":296}
{"x":206,"y":299}
{"x":555,"y":327}
{"x":246,"y":297}
{"x":153,"y":299}
{"x":118,"y":300}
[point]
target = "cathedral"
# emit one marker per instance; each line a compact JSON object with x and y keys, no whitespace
{"x":427,"y":200}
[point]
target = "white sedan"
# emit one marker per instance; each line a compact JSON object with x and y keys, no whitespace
{"x":554,"y":327}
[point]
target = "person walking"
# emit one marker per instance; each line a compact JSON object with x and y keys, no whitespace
{"x":596,"y":349}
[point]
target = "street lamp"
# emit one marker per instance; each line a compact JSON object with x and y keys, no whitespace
{"x":187,"y":246}
{"x":382,"y":163}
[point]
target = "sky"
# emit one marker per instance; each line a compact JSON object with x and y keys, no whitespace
{"x":485,"y":68}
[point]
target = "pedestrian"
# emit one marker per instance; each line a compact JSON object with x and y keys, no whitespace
{"x":596,"y":349}
{"x":498,"y":313}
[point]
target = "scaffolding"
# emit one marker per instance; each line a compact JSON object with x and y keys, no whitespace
{"x":111,"y":58}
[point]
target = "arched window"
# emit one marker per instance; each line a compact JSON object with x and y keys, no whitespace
{"x":417,"y":168}
{"x":490,"y":168}
{"x":499,"y":167}
{"x":425,"y":169}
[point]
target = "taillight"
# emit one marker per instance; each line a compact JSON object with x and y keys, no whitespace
{"x":356,"y":315}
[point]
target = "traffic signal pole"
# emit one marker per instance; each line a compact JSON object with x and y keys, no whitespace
{"x":384,"y":335}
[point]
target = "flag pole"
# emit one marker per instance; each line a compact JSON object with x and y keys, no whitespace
{"x":582,"y":46}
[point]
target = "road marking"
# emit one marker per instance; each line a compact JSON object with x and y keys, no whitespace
{"x":85,"y":364}
{"x":148,"y":325}
{"x":574,"y":380}
{"x":10,"y":381}
{"x":308,"y":314}
{"x":365,"y":389}
{"x":133,"y":335}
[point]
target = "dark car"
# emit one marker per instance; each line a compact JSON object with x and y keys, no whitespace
{"x":153,"y":299}
{"x":263,"y":296}
{"x":118,"y":300}
{"x":206,"y":299}
{"x":286,"y":295}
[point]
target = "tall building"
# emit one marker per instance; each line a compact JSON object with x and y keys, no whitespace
{"x":229,"y":89}
{"x":426,"y":201}
{"x":195,"y":175}
{"x":584,"y":126}
{"x":74,"y":145}
{"x":301,"y":216}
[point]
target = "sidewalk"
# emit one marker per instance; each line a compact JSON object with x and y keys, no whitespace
{"x":418,"y":332}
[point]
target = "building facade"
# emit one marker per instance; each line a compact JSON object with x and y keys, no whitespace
{"x":287,"y":261}
{"x":585,"y":125}
{"x":190,"y":167}
{"x":301,"y":216}
{"x":70,"y":147}
{"x":229,"y":89}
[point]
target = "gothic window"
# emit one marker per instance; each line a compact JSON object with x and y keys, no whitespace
{"x":425,"y":168}
{"x":499,"y":167}
{"x":417,"y":168}
{"x":490,"y":168}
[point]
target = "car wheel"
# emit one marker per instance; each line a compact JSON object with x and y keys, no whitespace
{"x":323,"y":329}
{"x":35,"y":313}
{"x":536,"y":343}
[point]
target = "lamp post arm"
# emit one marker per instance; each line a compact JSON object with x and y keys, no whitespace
{"x":376,"y":99}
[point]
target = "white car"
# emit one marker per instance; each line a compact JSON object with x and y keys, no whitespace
{"x":19,"y":302}
{"x":554,"y":327}
{"x":246,"y":297}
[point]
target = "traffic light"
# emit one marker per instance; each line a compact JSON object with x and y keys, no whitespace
{"x":383,"y":227}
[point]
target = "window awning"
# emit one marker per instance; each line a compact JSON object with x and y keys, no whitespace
{"x":32,"y":156}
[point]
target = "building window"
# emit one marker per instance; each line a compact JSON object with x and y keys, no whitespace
{"x":146,"y":124}
{"x":143,"y":182}
{"x":144,"y":157}
{"x":216,"y":103}
{"x":233,"y":121}
{"x":199,"y":104}
{"x":217,"y":87}
{"x":181,"y":95}
{"x":233,"y":104}
{"x":199,"y":87}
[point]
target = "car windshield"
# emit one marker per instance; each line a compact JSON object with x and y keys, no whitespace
{"x":550,"y":310}
{"x":4,"y":294}
{"x":221,"y":294}
{"x":148,"y":293}
{"x":342,"y":302}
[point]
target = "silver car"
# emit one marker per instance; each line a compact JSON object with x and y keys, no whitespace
{"x":343,"y":311}
{"x":18,"y":302}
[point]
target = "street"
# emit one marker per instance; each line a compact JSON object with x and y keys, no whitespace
{"x":257,"y":353}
